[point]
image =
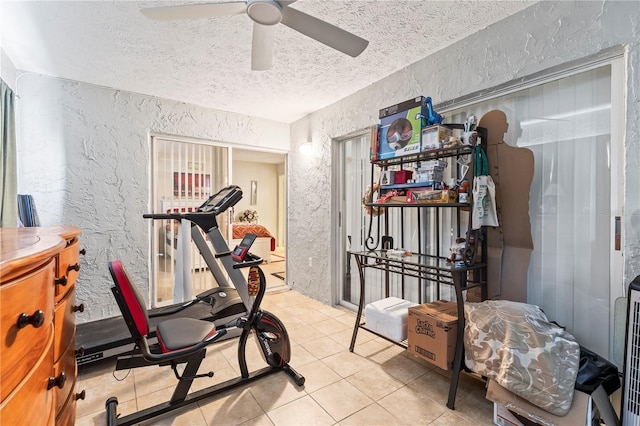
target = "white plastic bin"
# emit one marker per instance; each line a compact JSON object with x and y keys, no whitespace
{"x":388,"y":317}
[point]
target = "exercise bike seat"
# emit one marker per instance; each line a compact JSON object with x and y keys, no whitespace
{"x":179,"y":333}
{"x":177,"y":337}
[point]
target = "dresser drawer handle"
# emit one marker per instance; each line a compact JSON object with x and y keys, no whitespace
{"x":75,"y":267}
{"x":61,"y":281}
{"x":36,"y":320}
{"x":57,"y":381}
{"x":80,"y":395}
{"x":80,"y":352}
{"x":79,"y":308}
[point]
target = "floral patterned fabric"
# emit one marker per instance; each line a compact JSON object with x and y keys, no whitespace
{"x":516,"y":345}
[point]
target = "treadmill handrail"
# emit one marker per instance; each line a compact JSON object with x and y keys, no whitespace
{"x":159,"y":216}
{"x":205,"y":220}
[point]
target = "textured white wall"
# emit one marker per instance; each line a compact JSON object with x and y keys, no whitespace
{"x":267,"y":177}
{"x":543,"y":36}
{"x":84,"y":155}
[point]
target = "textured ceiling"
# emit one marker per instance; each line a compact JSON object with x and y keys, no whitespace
{"x":207,"y":61}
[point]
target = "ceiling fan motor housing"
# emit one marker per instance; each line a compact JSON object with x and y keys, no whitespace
{"x":265,"y":12}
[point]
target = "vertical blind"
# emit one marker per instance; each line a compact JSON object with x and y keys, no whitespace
{"x":185,"y":174}
{"x":566,"y":123}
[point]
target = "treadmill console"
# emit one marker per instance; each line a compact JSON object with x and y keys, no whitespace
{"x":238,"y":254}
{"x":222,"y":200}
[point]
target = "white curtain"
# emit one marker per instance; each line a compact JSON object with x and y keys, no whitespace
{"x":567,"y":125}
{"x":9,"y":174}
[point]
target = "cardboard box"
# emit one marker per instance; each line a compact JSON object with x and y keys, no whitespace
{"x":432,"y":137}
{"x":388,"y":317}
{"x":581,"y":412}
{"x":432,"y":164}
{"x":434,"y":175}
{"x":504,"y":417}
{"x":401,"y":128}
{"x":387,"y":177}
{"x":432,"y":332}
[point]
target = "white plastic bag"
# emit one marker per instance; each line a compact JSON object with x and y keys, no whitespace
{"x":484,"y":202}
{"x":484,"y":211}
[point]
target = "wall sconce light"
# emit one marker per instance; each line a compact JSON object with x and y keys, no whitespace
{"x":306,"y":148}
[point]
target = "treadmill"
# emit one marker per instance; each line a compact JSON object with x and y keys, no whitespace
{"x":102,"y":339}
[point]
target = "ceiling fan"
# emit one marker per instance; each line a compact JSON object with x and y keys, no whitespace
{"x":265,"y":14}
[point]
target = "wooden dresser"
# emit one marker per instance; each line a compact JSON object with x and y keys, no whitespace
{"x":38,"y":270}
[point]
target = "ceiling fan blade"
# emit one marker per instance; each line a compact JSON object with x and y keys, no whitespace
{"x":191,"y":11}
{"x":323,"y":32}
{"x":262,"y":47}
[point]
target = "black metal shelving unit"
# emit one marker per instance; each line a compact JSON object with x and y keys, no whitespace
{"x":429,"y":268}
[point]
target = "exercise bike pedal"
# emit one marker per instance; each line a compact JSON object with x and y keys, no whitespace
{"x":183,"y":377}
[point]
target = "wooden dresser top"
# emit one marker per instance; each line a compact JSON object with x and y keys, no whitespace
{"x":24,"y":249}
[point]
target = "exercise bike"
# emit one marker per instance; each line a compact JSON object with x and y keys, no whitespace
{"x":184,"y":340}
{"x":220,"y":305}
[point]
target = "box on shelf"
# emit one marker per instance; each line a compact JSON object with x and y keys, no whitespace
{"x":402,"y":176}
{"x":428,"y":196}
{"x":434,"y":175}
{"x":506,"y":402}
{"x":432,"y":165}
{"x":387,"y":177}
{"x":400,"y":128}
{"x":388,"y":317}
{"x":432,"y":331}
{"x":432,"y":137}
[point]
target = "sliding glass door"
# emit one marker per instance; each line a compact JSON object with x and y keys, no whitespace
{"x":358,"y":230}
{"x":573,"y":127}
{"x":184,"y":174}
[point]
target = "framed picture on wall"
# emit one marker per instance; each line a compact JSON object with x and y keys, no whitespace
{"x":254,"y":192}
{"x":191,"y":185}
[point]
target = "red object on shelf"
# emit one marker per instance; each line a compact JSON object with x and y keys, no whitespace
{"x":402,"y":176}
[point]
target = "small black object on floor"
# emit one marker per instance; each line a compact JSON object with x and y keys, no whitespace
{"x":279,"y":275}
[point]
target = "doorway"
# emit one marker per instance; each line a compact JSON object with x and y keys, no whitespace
{"x":262,"y":176}
{"x":185,"y":172}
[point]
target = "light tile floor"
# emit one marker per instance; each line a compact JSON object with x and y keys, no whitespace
{"x":378,"y":384}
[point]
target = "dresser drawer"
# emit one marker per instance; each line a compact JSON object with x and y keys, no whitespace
{"x":65,"y":323}
{"x":67,"y":416}
{"x":32,"y":403}
{"x":68,"y":268}
{"x":22,"y":345}
{"x":67,"y":366}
